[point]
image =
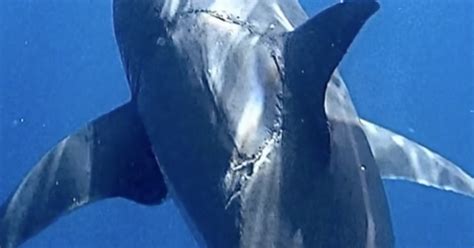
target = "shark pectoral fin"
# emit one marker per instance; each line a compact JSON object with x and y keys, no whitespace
{"x":110,"y":157}
{"x":402,"y":159}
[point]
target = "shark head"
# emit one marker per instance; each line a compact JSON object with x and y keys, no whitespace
{"x":136,"y":20}
{"x":211,"y":37}
{"x":264,"y":14}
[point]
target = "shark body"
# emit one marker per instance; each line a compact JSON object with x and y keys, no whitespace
{"x":229,"y":72}
{"x":266,"y":148}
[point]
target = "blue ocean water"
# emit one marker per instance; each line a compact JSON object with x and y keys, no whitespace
{"x":411,"y":69}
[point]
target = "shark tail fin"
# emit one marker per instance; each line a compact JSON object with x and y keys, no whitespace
{"x":399,"y":158}
{"x":110,"y":157}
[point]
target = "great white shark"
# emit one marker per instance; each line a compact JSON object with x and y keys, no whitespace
{"x":239,"y":116}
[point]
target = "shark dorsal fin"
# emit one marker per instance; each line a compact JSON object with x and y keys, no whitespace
{"x":312,"y":52}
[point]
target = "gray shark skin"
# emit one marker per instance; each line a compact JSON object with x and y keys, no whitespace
{"x":267,"y":135}
{"x":239,"y":115}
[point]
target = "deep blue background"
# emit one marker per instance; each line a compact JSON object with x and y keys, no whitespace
{"x":411,"y":69}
